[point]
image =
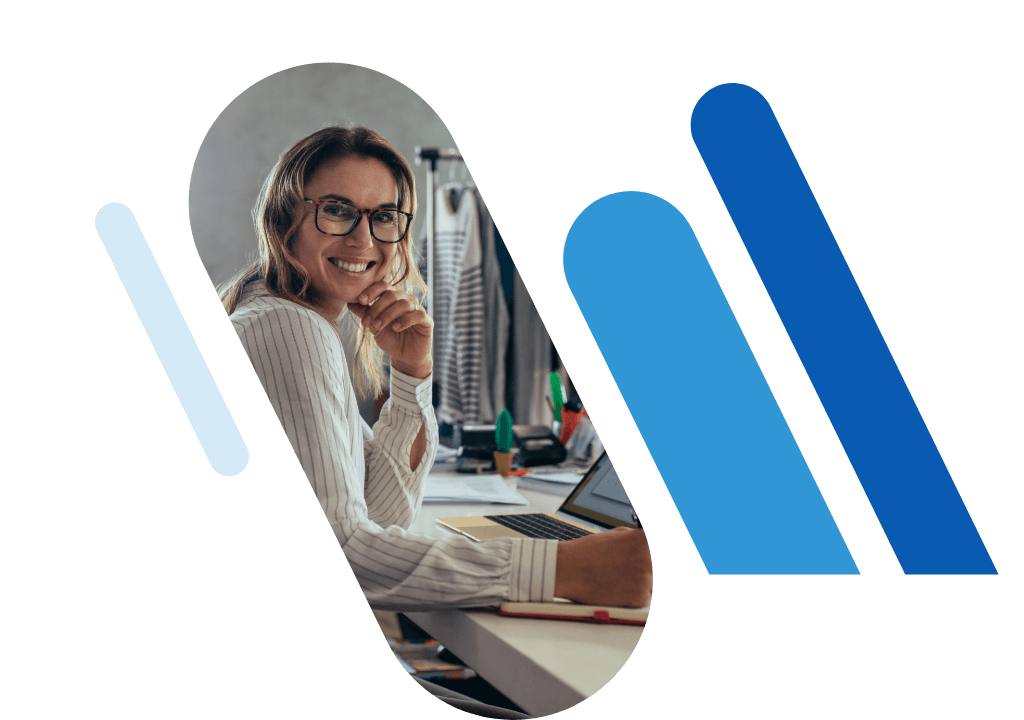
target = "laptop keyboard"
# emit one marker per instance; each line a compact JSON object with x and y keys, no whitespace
{"x":536,"y":525}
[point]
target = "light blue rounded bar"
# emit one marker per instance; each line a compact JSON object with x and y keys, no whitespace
{"x":187,"y":370}
{"x":697,"y":393}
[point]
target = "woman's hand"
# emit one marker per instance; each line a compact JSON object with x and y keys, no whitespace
{"x":606,"y":568}
{"x":399,"y":325}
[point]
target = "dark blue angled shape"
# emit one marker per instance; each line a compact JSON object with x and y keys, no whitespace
{"x":834,"y":333}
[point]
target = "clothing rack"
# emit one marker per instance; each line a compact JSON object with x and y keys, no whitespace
{"x":432,"y":156}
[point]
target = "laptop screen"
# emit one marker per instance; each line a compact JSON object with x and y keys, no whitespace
{"x":600,"y":498}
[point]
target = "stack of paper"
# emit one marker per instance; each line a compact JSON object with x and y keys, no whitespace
{"x":561,"y":478}
{"x":471,"y":489}
{"x":553,"y":483}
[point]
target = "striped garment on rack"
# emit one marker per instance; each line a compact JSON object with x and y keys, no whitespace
{"x":458,"y":305}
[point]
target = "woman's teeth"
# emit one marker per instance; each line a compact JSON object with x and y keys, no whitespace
{"x":351,"y":267}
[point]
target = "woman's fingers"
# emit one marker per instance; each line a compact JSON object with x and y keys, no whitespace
{"x":373,"y":292}
{"x":400,"y":327}
{"x":369,"y":304}
{"x":386,"y":306}
{"x":400,"y":316}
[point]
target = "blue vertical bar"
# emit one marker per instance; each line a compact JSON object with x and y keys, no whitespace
{"x":696,"y":392}
{"x":187,"y":370}
{"x":835,"y":335}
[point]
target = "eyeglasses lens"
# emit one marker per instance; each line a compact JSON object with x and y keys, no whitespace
{"x":385,"y":225}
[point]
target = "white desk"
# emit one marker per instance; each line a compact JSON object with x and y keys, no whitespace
{"x":544,"y":666}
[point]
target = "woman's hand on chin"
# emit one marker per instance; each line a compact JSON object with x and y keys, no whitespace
{"x":399,"y":325}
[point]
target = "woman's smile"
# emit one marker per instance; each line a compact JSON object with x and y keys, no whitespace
{"x":356,"y":268}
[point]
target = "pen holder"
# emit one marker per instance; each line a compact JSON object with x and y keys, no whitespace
{"x":503,"y":462}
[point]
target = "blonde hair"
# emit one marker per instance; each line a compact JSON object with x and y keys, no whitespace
{"x":279,"y":211}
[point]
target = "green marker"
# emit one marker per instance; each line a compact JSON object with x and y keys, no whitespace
{"x":557,"y":395}
{"x":503,"y":432}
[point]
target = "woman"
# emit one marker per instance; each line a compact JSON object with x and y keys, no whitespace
{"x":333,"y":223}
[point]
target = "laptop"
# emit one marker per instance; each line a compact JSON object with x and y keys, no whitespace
{"x":597,"y":503}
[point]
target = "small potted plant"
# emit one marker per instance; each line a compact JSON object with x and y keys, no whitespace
{"x":503,"y":443}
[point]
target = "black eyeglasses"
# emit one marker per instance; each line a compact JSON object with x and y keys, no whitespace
{"x":387,"y":225}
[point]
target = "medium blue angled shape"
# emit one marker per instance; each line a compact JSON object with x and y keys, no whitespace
{"x":834,"y":333}
{"x":696,"y":392}
{"x":187,"y":370}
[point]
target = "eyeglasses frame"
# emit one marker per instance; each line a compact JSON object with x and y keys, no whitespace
{"x":368,"y":212}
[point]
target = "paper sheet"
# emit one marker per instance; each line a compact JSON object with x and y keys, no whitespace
{"x":563,"y":478}
{"x":472,"y":489}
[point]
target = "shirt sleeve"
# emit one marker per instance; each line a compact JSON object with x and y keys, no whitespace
{"x":299,"y":360}
{"x":394,"y":490}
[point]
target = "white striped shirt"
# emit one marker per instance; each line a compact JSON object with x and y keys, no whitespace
{"x":362,"y":478}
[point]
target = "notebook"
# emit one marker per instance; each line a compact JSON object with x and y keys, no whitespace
{"x":597,"y":503}
{"x":565,"y":610}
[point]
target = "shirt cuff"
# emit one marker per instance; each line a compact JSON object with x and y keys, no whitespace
{"x":411,"y":391}
{"x":532,"y":577}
